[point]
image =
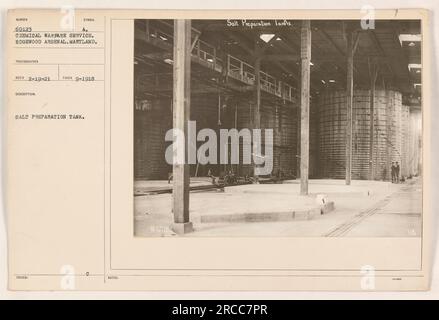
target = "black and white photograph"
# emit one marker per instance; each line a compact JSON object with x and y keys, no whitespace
{"x":277,"y":128}
{"x":236,"y":152}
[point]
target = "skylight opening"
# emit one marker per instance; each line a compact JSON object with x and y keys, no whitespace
{"x":266,"y":37}
{"x":412,"y":38}
{"x":414,"y":66}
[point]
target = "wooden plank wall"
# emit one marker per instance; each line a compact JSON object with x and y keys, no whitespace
{"x":154,"y":117}
{"x":314,"y":169}
{"x":283,"y":120}
{"x":391,"y":128}
{"x":397,"y":134}
{"x":415,"y":142}
{"x":332,"y":140}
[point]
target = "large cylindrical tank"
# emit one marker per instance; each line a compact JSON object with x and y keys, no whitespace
{"x":282,"y":120}
{"x":152,"y":119}
{"x":415,"y":142}
{"x":288,"y":145}
{"x":405,"y":139}
{"x":389,"y":128}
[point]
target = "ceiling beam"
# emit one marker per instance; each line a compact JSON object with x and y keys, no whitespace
{"x":381,"y":52}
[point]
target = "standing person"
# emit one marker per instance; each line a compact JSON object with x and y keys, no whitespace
{"x":397,"y":172}
{"x":393,"y":170}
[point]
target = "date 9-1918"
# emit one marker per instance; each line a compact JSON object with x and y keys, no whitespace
{"x":85,"y":79}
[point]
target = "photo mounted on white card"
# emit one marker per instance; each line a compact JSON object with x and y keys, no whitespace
{"x":218,"y":111}
{"x":218,"y":150}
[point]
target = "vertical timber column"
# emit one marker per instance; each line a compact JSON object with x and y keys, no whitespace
{"x":349,"y":98}
{"x":373,"y":77}
{"x":298,"y":137}
{"x":257,"y":112}
{"x":305,"y":46}
{"x":181,"y":113}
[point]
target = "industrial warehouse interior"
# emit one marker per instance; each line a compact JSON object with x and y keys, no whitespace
{"x":322,"y":122}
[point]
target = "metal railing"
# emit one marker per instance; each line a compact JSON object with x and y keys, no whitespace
{"x":236,"y":68}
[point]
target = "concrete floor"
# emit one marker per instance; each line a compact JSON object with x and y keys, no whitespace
{"x":145,"y":186}
{"x":363,"y":209}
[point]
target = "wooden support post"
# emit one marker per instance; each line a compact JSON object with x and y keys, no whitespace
{"x":277,"y":141}
{"x":237,"y":145}
{"x":305,"y":46}
{"x":373,"y":73}
{"x":349,"y":102}
{"x":257,"y":111}
{"x":194,"y":43}
{"x":371,"y":129}
{"x":298,"y":137}
{"x":148,"y":35}
{"x":181,"y":113}
{"x":317,"y":167}
{"x":218,"y":123}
